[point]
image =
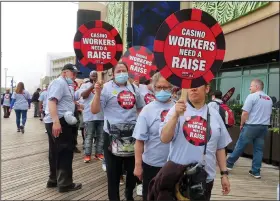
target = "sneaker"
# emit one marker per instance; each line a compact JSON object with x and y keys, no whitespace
{"x":139,"y":190}
{"x":22,"y":129}
{"x":229,"y":169}
{"x":18,"y":130}
{"x":87,"y":159}
{"x":104,"y":167}
{"x":255,"y":175}
{"x":99,"y":156}
{"x":46,"y":131}
{"x":121,"y":180}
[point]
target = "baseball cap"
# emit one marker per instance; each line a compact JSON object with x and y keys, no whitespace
{"x":92,"y":72}
{"x":72,"y":68}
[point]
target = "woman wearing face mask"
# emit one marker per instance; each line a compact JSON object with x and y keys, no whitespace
{"x":150,"y":153}
{"x":120,"y":101}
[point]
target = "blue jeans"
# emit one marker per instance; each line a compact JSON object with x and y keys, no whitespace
{"x":250,"y":134}
{"x":21,"y":114}
{"x":94,"y":129}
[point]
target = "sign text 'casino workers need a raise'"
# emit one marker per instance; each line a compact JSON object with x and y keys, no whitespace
{"x":189,"y":48}
{"x":98,"y":45}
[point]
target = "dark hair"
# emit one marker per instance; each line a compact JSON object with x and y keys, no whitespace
{"x":123,"y":63}
{"x":218,"y":94}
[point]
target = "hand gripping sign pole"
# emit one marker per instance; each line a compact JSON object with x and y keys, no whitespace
{"x":189,"y":49}
{"x":98,"y":46}
{"x":140,"y":62}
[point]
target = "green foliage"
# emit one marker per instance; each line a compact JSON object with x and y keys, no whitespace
{"x":237,"y":109}
{"x":225,"y":12}
{"x":274,"y":130}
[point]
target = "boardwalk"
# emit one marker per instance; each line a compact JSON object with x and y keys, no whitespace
{"x":24,"y":171}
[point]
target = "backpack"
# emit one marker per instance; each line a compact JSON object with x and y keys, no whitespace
{"x":226,"y":114}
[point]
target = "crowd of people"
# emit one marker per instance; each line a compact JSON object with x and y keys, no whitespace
{"x":161,"y":143}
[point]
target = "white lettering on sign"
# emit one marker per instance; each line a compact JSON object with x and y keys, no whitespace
{"x":193,"y":33}
{"x":191,"y":43}
{"x":98,"y":35}
{"x":98,"y":55}
{"x":140,"y":60}
{"x":190,"y":64}
{"x":103,"y":42}
{"x":138,"y":69}
{"x":196,"y":135}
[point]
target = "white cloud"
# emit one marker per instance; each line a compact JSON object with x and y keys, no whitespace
{"x":30,"y":30}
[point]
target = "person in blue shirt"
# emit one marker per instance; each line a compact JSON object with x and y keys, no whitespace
{"x":255,"y":120}
{"x":21,"y":101}
{"x":150,"y":153}
{"x":120,"y":102}
{"x":197,"y":135}
{"x":61,"y":128}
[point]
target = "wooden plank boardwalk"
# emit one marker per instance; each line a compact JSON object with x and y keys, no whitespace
{"x":24,"y":171}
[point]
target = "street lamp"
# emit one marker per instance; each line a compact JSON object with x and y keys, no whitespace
{"x":6,"y":69}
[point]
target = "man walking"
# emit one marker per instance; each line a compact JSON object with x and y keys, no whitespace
{"x":35,"y":101}
{"x":93,"y":122}
{"x":60,"y":124}
{"x":254,"y":123}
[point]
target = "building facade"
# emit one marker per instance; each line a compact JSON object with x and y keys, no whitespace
{"x":251,"y":32}
{"x":57,"y":65}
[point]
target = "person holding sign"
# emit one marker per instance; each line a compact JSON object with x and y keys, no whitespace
{"x":120,"y":101}
{"x":150,"y":153}
{"x":200,"y":131}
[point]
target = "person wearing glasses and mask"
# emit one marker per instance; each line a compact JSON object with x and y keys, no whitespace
{"x":150,"y":153}
{"x":61,"y":128}
{"x":197,"y":137}
{"x":120,"y":102}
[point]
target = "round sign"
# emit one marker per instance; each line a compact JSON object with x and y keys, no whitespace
{"x":189,"y":48}
{"x":194,"y":130}
{"x":98,"y":45}
{"x":149,"y":98}
{"x":228,"y":95}
{"x":126,"y":100}
{"x":140,"y":61}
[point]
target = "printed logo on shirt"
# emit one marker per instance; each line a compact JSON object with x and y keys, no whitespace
{"x":115,"y":92}
{"x":149,"y":98}
{"x":163,"y":115}
{"x":126,"y":99}
{"x":264,"y":97}
{"x":194,"y":130}
{"x":7,"y":96}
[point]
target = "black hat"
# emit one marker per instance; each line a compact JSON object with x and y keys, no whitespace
{"x":72,"y":68}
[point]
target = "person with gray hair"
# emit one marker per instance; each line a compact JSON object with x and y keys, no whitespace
{"x":150,"y":153}
{"x":255,"y":120}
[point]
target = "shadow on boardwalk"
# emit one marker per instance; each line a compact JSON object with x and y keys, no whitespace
{"x":24,"y":171}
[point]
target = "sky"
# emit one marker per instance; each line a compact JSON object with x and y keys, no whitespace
{"x":31,"y":30}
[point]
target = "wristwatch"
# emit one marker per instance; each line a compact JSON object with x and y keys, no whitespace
{"x":224,"y":173}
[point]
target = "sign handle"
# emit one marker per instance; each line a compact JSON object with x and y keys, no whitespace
{"x":99,"y":76}
{"x":184,"y":94}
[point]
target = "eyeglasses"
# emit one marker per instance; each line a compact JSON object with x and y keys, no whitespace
{"x":159,"y":88}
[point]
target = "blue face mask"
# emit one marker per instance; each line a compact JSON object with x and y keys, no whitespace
{"x":69,"y":81}
{"x":163,"y":96}
{"x":121,"y":78}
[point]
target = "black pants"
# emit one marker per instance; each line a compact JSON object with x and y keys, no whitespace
{"x":6,"y":111}
{"x":149,"y":172}
{"x":114,"y":170}
{"x":209,"y":187}
{"x":61,"y":154}
{"x":75,"y":130}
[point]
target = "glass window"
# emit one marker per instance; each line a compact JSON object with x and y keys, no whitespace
{"x":255,"y":70}
{"x":273,"y":86}
{"x":225,"y":84}
{"x":236,"y":72}
{"x":274,"y":68}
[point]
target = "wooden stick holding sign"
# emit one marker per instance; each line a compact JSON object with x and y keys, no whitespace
{"x":98,"y":46}
{"x":189,"y":49}
{"x":140,"y":62}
